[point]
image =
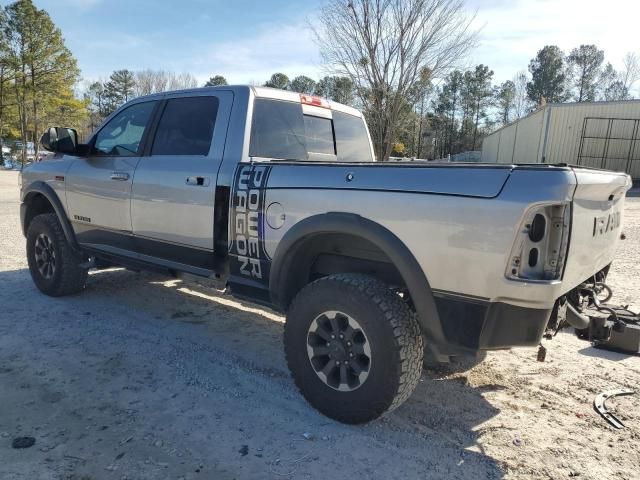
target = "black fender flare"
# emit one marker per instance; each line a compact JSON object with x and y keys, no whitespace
{"x":402,"y":258}
{"x":40,"y":187}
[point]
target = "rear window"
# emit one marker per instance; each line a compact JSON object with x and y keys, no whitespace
{"x":281,"y":130}
{"x":318,"y":134}
{"x":277,"y":131}
{"x":352,"y":140}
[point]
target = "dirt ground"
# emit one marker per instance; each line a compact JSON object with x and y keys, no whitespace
{"x":144,"y":378}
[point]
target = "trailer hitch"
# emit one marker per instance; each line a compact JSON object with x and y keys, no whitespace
{"x":611,"y":327}
{"x":607,"y":326}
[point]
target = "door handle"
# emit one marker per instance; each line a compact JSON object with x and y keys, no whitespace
{"x":197,"y":181}
{"x":121,"y":176}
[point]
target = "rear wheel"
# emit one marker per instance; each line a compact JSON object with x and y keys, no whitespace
{"x":353,"y":346}
{"x":53,"y":264}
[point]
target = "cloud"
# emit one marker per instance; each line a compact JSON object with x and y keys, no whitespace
{"x":513,"y":32}
{"x":287,"y":48}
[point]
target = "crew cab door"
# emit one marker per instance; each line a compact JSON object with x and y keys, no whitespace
{"x":172,"y":206}
{"x":98,"y":187}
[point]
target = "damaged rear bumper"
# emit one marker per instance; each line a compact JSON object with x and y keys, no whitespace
{"x":475,"y":324}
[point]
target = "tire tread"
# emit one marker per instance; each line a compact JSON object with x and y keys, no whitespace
{"x":406,"y":330}
{"x":73,"y":278}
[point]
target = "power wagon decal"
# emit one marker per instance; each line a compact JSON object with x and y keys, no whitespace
{"x":249,"y":259}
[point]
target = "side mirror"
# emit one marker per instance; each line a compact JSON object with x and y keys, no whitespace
{"x":60,"y":140}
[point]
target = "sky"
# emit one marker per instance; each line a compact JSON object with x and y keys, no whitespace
{"x":247,"y":41}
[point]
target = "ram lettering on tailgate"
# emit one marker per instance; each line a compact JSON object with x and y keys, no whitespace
{"x":606,"y":223}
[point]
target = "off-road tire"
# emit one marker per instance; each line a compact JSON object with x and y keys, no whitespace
{"x":395,"y":340}
{"x":68,"y":277}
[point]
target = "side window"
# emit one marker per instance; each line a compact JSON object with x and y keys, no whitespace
{"x":352,"y":141}
{"x":122,"y":135}
{"x":186,"y":126}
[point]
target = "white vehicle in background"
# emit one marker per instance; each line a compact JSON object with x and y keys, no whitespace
{"x":8,"y":159}
{"x":31,"y":150}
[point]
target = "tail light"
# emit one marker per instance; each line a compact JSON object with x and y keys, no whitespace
{"x":540,"y":249}
{"x":315,"y":101}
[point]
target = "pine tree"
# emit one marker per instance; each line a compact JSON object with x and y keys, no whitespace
{"x":215,"y":81}
{"x":584,"y":65}
{"x":338,"y":89}
{"x":278,"y":80}
{"x":482,"y":96}
{"x":547,"y":76}
{"x":448,"y":105}
{"x":5,"y":79}
{"x":43,"y":66}
{"x":303,"y":84}
{"x":119,"y":89}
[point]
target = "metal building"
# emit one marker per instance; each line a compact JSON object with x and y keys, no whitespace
{"x":594,"y":134}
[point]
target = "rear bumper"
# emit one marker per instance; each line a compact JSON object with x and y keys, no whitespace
{"x":474,"y":324}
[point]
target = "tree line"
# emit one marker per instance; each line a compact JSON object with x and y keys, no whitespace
{"x":37,"y":75}
{"x":466,"y":105}
{"x":106,"y":96}
{"x":394,"y":60}
{"x":401,"y":56}
{"x":103,"y":97}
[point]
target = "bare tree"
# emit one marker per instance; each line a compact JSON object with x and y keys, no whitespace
{"x":182,"y":80}
{"x":618,"y":85}
{"x":151,"y":81}
{"x":631,"y":72}
{"x":505,"y":95}
{"x":154,"y":81}
{"x":386,"y":46}
{"x":610,"y":85}
{"x":521,"y":103}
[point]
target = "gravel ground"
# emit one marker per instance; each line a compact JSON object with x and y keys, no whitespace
{"x":144,"y":378}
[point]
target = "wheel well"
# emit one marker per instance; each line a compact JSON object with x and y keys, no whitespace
{"x":37,"y":204}
{"x":326,"y":254}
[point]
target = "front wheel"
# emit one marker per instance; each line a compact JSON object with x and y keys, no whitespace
{"x":54,"y":266}
{"x":353,"y":346}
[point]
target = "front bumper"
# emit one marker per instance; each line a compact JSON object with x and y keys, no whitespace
{"x":474,"y":324}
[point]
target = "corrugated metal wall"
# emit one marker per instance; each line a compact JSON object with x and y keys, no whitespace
{"x":567,"y":122}
{"x":518,"y":142}
{"x":530,"y":138}
{"x":490,"y":148}
{"x":598,"y":134}
{"x":506,"y":144}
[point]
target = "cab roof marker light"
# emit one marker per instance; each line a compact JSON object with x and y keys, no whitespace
{"x":315,"y":101}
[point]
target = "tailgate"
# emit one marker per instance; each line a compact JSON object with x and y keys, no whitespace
{"x":597,"y":211}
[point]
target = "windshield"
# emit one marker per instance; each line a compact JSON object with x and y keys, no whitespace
{"x":280,"y":130}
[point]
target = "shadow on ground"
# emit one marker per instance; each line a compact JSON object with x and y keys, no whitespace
{"x":600,"y":352}
{"x":434,"y":434}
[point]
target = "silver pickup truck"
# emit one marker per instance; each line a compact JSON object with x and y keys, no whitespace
{"x":277,"y":196}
